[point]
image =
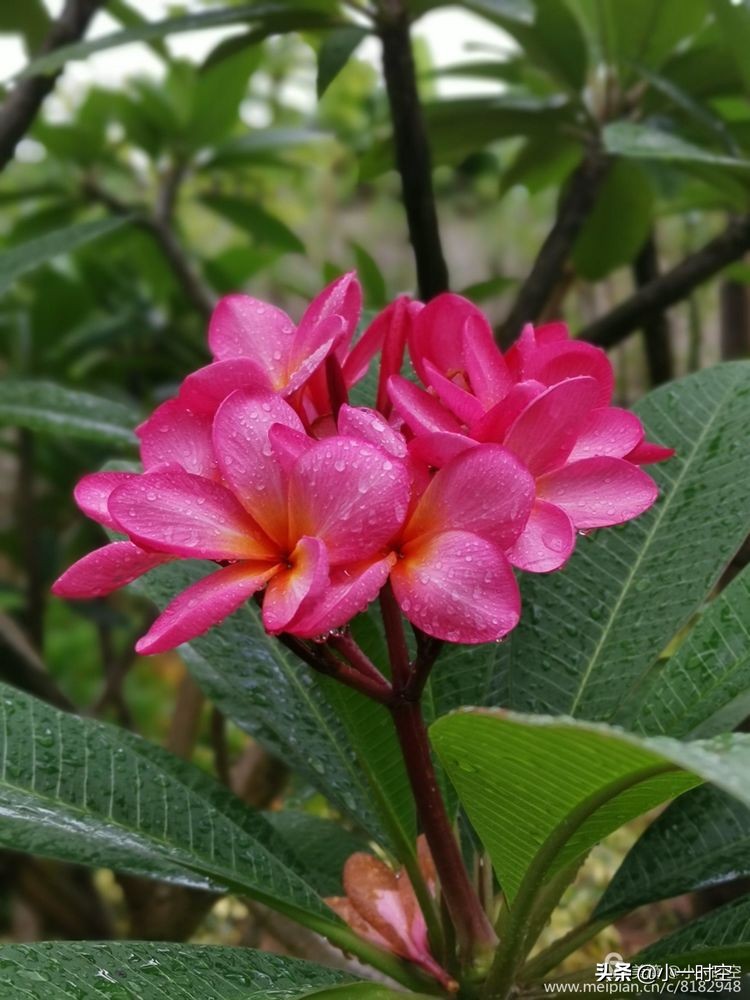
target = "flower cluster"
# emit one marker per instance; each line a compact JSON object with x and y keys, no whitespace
{"x":260,"y":465}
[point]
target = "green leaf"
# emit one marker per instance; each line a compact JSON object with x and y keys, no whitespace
{"x":619,"y":223}
{"x":643,"y":31}
{"x":218,"y":94}
{"x":321,"y":845}
{"x":254,"y":147}
{"x":21,"y":259}
{"x":702,"y":839}
{"x":373,"y":737}
{"x":29,"y":19}
{"x":461,"y":126}
{"x":50,"y":62}
{"x":336,"y":50}
{"x":86,"y":792}
{"x":541,"y":791}
{"x":52,"y":409}
{"x":722,"y":936}
{"x":273,"y":696}
{"x":734,"y":22}
{"x":264,"y":228}
{"x":650,"y":143}
{"x":553,"y":42}
{"x":704,"y":688}
{"x":588,"y":634}
{"x":127,"y":970}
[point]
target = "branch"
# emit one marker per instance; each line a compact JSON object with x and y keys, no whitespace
{"x":159,"y":224}
{"x":671,"y":287}
{"x":413,"y":157}
{"x":575,"y":207}
{"x":20,"y":107}
{"x":656,"y":334}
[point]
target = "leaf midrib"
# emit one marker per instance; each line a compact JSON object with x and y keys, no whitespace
{"x":641,"y":555}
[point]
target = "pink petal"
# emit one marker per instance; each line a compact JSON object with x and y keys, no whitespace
{"x":204,"y":390}
{"x":350,"y":589}
{"x":598,"y":492}
{"x":546,"y":542}
{"x":388,"y":333}
{"x":496,"y":422}
{"x":557,"y":361}
{"x":420,"y":411}
{"x":458,"y":587}
{"x":288,"y":444}
{"x":92,"y":494}
{"x":369,"y":425}
{"x":246,"y":457}
{"x":436,"y":450}
{"x":485,"y":489}
{"x":646,"y":452}
{"x":342,"y":298}
{"x":305,"y":575}
{"x":174,"y":435}
{"x":463,"y":404}
{"x":203,"y":605}
{"x":608,"y":431}
{"x":349,"y":494}
{"x":487,"y":370}
{"x":545,"y":432}
{"x":304,"y":363}
{"x":187,"y":515}
{"x":106,"y":569}
{"x":243,"y":327}
{"x":551,"y":333}
{"x":437,"y":335}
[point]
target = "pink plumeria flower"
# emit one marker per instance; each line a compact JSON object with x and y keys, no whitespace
{"x":308,"y":520}
{"x":380,"y":905}
{"x":452,"y":578}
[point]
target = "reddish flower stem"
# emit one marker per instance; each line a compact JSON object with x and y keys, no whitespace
{"x":473,"y":930}
{"x":324,"y":661}
{"x":348,"y":648}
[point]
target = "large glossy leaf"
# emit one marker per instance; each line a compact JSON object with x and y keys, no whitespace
{"x":373,"y":737}
{"x":50,"y":62}
{"x":18,"y":260}
{"x":619,"y":223}
{"x":702,"y":839}
{"x":321,"y":846}
{"x":127,"y":970}
{"x":273,"y":696}
{"x":646,"y":142}
{"x":722,"y":936}
{"x":588,"y":633}
{"x":83,"y":791}
{"x":52,"y":409}
{"x":704,"y":688}
{"x":541,"y":791}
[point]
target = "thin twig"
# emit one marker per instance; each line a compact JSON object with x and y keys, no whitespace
{"x":21,"y":106}
{"x":413,"y":157}
{"x":672,"y":286}
{"x":656,"y":333}
{"x":159,"y":223}
{"x":575,"y":206}
{"x":348,"y":648}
